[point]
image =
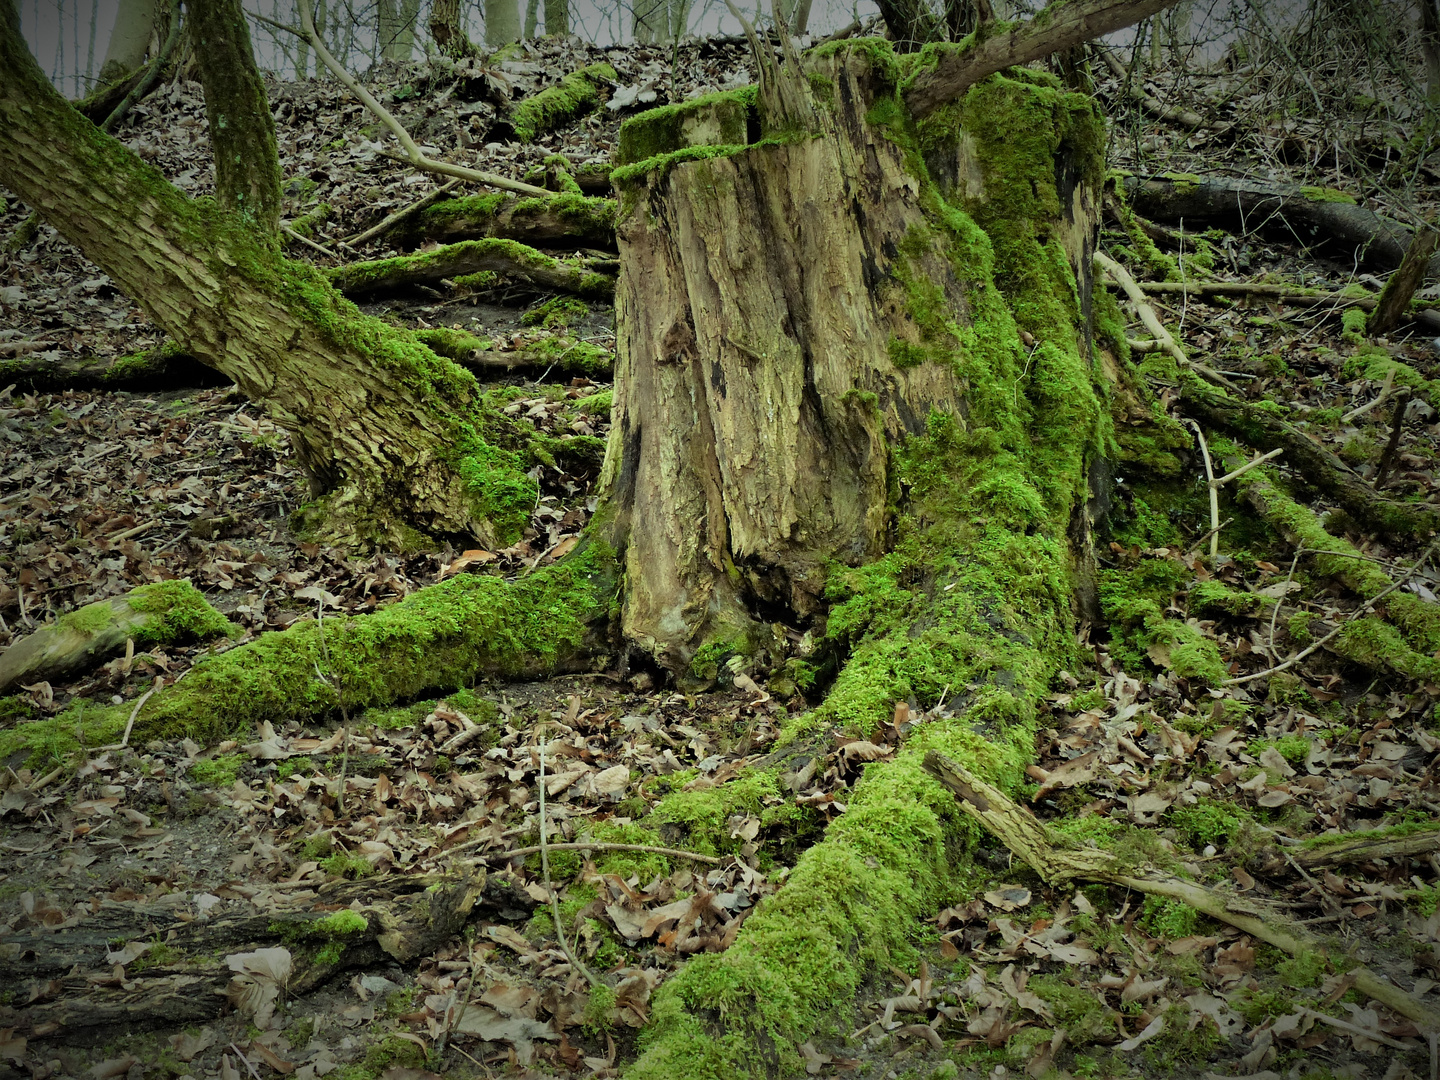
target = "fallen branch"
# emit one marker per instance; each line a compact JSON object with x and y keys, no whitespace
{"x":471,"y":257}
{"x":1055,"y":29}
{"x":1026,"y":836}
{"x":1395,"y":297}
{"x":566,"y":220}
{"x":1183,"y":117}
{"x":1313,"y":464}
{"x":400,"y":215}
{"x":1365,"y":848}
{"x":162,"y":368}
{"x":1311,"y":215}
{"x":413,"y":152}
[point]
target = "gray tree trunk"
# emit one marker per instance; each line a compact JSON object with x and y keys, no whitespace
{"x":502,"y":22}
{"x":130,"y":40}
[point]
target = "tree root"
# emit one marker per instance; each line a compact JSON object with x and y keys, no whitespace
{"x":1386,"y":845}
{"x":183,"y":977}
{"x":471,"y":257}
{"x":1316,"y":466}
{"x":1026,"y":836}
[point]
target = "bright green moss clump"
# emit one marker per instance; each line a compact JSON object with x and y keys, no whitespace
{"x":720,"y":119}
{"x":555,"y":106}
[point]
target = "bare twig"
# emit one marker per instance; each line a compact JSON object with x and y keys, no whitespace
{"x":1397,"y":426}
{"x":1385,"y":391}
{"x":413,"y":152}
{"x":321,"y":248}
{"x":400,"y":215}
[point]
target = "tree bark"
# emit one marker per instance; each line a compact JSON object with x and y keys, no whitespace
{"x":397,"y":29}
{"x":1430,"y":48}
{"x":388,"y":433}
{"x":130,"y":39}
{"x":502,"y":22}
{"x":242,"y":131}
{"x":557,"y":18}
{"x":1057,"y":27}
{"x":447,"y":32}
{"x":1408,"y":277}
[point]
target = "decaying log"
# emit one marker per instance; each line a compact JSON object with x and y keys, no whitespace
{"x":1365,"y":848}
{"x":1312,"y":215}
{"x":1056,"y":28}
{"x":1026,"y":836}
{"x":75,"y":999}
{"x":1312,"y":463}
{"x":471,"y":257}
{"x":163,"y":368}
{"x":563,"y":222}
{"x":96,"y":631}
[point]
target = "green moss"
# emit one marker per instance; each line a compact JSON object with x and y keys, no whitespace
{"x":451,"y":343}
{"x":558,"y":311}
{"x":719,"y":119}
{"x":392,"y":1052}
{"x":555,"y":106}
{"x":1324,"y":194}
{"x":1169,"y":919}
{"x":1216,"y":598}
{"x":345,"y":865}
{"x":440,"y":638}
{"x":704,"y":816}
{"x":1210,"y":822}
{"x":1353,"y":321}
{"x":1078,"y":1009}
{"x":595,"y":404}
{"x":219,"y":771}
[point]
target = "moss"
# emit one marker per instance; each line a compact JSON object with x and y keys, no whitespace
{"x":1353,"y":322}
{"x":345,"y":865}
{"x":1216,"y":598}
{"x":1169,"y":919}
{"x":219,"y":771}
{"x":558,"y":311}
{"x":704,"y":815}
{"x":719,"y":119}
{"x":1078,"y":1009}
{"x":1210,"y":822}
{"x":391,"y":1053}
{"x":340,"y":924}
{"x":1324,"y":194}
{"x":440,"y":638}
{"x":595,"y":404}
{"x":307,"y":224}
{"x":451,"y":343}
{"x":557,"y":105}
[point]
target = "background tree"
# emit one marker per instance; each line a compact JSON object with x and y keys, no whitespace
{"x":396,"y":27}
{"x":131,"y":38}
{"x":502,"y":22}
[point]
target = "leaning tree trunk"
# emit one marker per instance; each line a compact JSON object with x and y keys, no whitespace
{"x":854,"y":367}
{"x":388,"y":432}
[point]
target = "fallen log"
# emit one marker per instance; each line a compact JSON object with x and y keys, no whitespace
{"x":1385,"y":845}
{"x":151,"y":614}
{"x":1313,"y":464}
{"x":76,"y":998}
{"x":1029,"y":840}
{"x":1314,"y":215}
{"x":506,"y":257}
{"x":561,"y":221}
{"x":161,"y":368}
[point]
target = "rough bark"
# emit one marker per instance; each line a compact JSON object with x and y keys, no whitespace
{"x":387,"y":432}
{"x":448,"y":34}
{"x":1057,"y":27}
{"x":557,"y":18}
{"x":242,"y":131}
{"x":406,"y":917}
{"x":1328,"y":219}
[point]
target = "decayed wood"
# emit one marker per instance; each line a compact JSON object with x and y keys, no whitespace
{"x":1058,"y":27}
{"x":470,"y":257}
{"x":1352,"y":231}
{"x":530,"y":221}
{"x":75,"y":643}
{"x":1365,"y":848}
{"x":1395,"y":297}
{"x":1026,"y":836}
{"x":1313,"y":464}
{"x":75,"y":998}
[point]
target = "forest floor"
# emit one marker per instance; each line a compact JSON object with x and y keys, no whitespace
{"x":1242,"y":784}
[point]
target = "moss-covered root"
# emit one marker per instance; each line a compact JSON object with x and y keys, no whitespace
{"x":441,"y":638}
{"x":150,"y":615}
{"x":1404,"y":640}
{"x":506,"y":257}
{"x":555,"y":106}
{"x":165,"y":367}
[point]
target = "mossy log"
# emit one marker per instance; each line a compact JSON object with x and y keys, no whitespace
{"x":1384,"y":844}
{"x":183,"y":978}
{"x":565,"y":220}
{"x":389,"y":434}
{"x":825,"y":401}
{"x":1313,"y":464}
{"x":1059,"y":864}
{"x":161,"y":368}
{"x":573,"y":96}
{"x":507,"y":257}
{"x":1327,"y":218}
{"x":149,"y":615}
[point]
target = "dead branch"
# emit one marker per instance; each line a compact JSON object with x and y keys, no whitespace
{"x":1026,"y":836}
{"x":539,"y":223}
{"x":1182,"y":117}
{"x":1311,"y":215}
{"x":1365,"y":848}
{"x":400,"y":215}
{"x":1058,"y":27}
{"x":1314,"y":465}
{"x":1395,"y":297}
{"x":471,"y":257}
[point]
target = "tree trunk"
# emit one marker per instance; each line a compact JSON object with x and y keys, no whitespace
{"x":502,"y":22}
{"x":447,"y":32}
{"x":1430,"y":47}
{"x":242,"y":131}
{"x":389,"y":433}
{"x":855,"y":374}
{"x":397,"y":29}
{"x":651,"y":20}
{"x":557,"y":18}
{"x":130,"y":39}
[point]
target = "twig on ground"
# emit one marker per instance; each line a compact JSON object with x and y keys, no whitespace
{"x":400,"y":215}
{"x":1385,"y":391}
{"x":1397,"y":427}
{"x":321,"y":248}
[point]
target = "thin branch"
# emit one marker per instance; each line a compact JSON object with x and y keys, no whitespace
{"x":413,"y":152}
{"x":400,"y":215}
{"x":321,"y":248}
{"x":1214,"y":490}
